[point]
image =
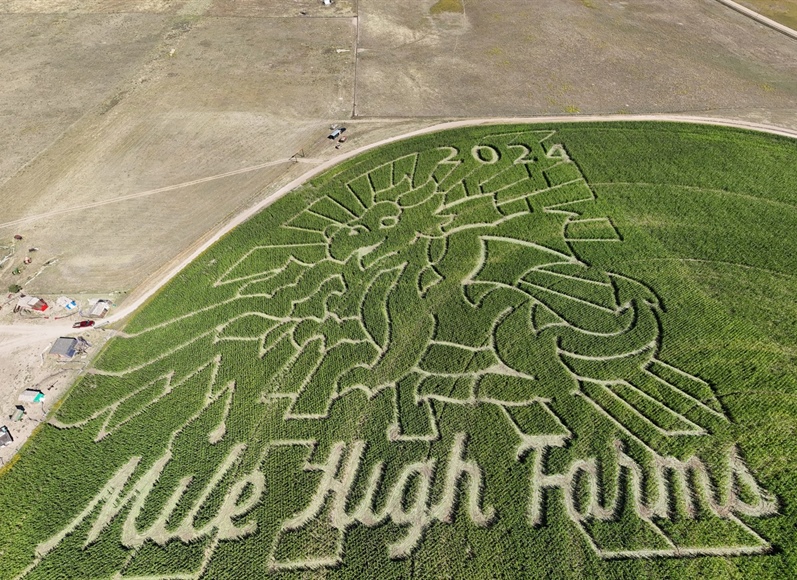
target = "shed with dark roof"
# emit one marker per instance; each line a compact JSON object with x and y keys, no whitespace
{"x":64,"y":348}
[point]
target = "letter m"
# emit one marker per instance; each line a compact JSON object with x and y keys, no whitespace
{"x":112,"y":501}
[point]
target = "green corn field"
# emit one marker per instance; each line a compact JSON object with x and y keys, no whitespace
{"x":558,"y":351}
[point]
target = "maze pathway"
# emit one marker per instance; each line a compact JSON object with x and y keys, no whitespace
{"x":446,"y":282}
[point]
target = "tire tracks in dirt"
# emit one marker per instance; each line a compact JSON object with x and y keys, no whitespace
{"x":149,"y":192}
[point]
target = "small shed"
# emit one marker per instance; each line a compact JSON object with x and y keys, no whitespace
{"x":32,"y":303}
{"x":5,"y":436}
{"x":31,"y":396}
{"x":99,"y":309}
{"x":64,"y":348}
{"x":19,"y":413}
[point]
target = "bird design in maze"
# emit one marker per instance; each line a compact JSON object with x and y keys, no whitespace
{"x":394,"y":260}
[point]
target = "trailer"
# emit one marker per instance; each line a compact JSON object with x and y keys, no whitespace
{"x":336,"y":133}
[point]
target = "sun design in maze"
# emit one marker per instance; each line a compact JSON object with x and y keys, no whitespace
{"x":447,"y":284}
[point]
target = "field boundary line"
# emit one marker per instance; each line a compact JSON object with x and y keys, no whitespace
{"x":356,"y":57}
{"x":760,"y":18}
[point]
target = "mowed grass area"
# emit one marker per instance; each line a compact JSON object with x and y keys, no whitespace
{"x":510,"y":351}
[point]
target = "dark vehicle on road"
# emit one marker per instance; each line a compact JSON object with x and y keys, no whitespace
{"x":83,"y":324}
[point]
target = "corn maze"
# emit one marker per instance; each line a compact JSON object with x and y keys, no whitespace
{"x":407,"y":367}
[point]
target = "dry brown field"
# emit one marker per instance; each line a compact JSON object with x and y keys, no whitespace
{"x":131,"y":129}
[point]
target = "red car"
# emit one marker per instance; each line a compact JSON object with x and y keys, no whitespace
{"x":83,"y":324}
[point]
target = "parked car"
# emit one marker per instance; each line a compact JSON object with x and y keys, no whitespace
{"x":83,"y":324}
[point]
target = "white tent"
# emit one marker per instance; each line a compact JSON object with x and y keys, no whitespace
{"x":67,"y":303}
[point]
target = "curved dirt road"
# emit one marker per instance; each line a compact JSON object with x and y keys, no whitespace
{"x":16,"y":335}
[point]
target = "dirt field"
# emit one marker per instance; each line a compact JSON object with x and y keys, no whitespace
{"x":132,"y":129}
{"x":590,"y":56}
